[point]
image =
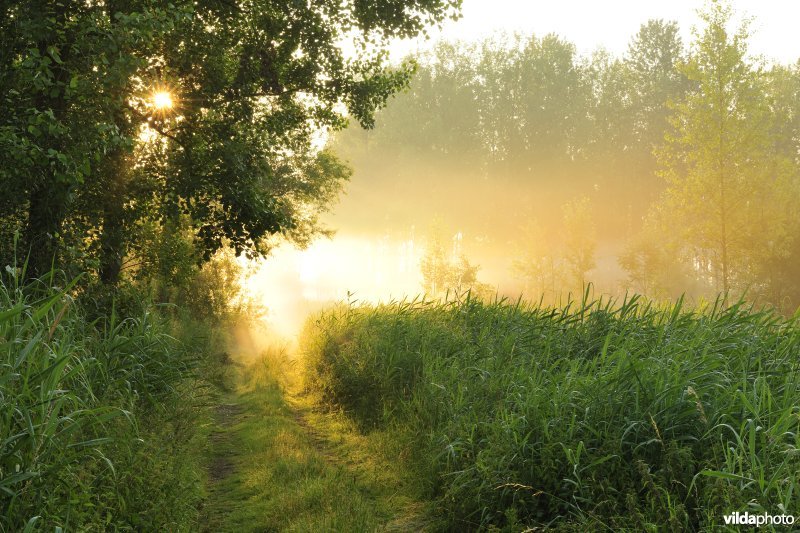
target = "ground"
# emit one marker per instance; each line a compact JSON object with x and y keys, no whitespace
{"x":279,"y":463}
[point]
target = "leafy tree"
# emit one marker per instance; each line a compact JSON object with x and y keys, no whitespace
{"x":652,"y":61}
{"x":552,"y":262}
{"x":63,"y":68}
{"x":774,"y":270}
{"x":435,"y":266}
{"x":253,"y":83}
{"x":653,"y":84}
{"x":449,"y":274}
{"x":537,"y":262}
{"x":521,"y":125}
{"x":579,"y":240}
{"x":715,"y":162}
{"x":653,"y":263}
{"x":536,"y":105}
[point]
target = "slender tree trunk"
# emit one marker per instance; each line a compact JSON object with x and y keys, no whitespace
{"x":723,"y":226}
{"x":722,"y":188}
{"x":723,"y":229}
{"x":46,"y":212}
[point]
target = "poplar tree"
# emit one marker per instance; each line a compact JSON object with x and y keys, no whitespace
{"x":714,"y":162}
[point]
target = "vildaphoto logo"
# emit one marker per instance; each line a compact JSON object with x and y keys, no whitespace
{"x":765,"y":519}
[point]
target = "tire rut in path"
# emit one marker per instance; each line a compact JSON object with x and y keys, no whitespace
{"x":412,"y":519}
{"x":225,"y":415}
{"x":318,"y":440}
{"x":222,"y":464}
{"x":309,"y":476}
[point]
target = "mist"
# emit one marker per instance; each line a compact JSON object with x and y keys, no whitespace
{"x":516,"y":167}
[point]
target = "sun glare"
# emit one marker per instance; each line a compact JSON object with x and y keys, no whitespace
{"x":162,"y":100}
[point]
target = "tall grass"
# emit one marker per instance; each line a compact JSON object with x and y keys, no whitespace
{"x":597,"y":415}
{"x":90,"y":416}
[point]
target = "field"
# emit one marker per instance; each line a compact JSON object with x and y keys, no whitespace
{"x":596,"y":416}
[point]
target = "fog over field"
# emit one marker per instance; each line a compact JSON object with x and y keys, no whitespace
{"x":522,"y":164}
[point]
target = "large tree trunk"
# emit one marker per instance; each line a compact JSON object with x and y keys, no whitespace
{"x":116,"y":178}
{"x":113,"y":238}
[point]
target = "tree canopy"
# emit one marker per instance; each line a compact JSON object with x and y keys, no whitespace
{"x":731,"y":183}
{"x":90,"y":167}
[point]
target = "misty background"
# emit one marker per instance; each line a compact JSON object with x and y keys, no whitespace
{"x":516,"y":165}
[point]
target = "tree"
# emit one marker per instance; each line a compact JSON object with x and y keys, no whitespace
{"x":654,"y":84}
{"x":579,"y":240}
{"x":537,"y":262}
{"x":653,"y":263}
{"x":652,"y":59}
{"x":716,"y":160}
{"x":253,"y":84}
{"x":449,"y":274}
{"x":61,"y":68}
{"x":778,"y":268}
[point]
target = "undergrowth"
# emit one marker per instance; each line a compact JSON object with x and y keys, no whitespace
{"x":98,"y":416}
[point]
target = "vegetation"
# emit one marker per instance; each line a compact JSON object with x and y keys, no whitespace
{"x":140,"y":139}
{"x":140,"y":143}
{"x":728,"y":177}
{"x":598,"y":415}
{"x":97,"y":417}
{"x":280,"y":463}
{"x":96,"y":172}
{"x":148,"y":148}
{"x":449,"y":274}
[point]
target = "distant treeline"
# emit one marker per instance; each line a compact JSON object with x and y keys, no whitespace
{"x":685,"y":158}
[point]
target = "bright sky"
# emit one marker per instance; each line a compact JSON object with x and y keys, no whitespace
{"x":611,"y":23}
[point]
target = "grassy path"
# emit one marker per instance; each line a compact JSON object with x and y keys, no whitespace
{"x":277,"y":465}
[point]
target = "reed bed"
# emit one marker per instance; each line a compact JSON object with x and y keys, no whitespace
{"x":599,"y":415}
{"x":95,"y":416}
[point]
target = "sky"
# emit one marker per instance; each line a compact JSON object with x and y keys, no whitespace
{"x":611,"y":23}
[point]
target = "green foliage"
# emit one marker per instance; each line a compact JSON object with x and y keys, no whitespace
{"x":214,"y":293}
{"x":579,"y":240}
{"x":93,"y":433}
{"x":598,"y":415}
{"x":515,"y":128}
{"x":520,"y":124}
{"x":653,"y":267}
{"x":449,"y":274}
{"x":538,"y":261}
{"x":553,"y":264}
{"x":729,"y":191}
{"x":86,"y":158}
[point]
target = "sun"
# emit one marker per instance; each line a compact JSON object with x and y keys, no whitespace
{"x":162,"y":100}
